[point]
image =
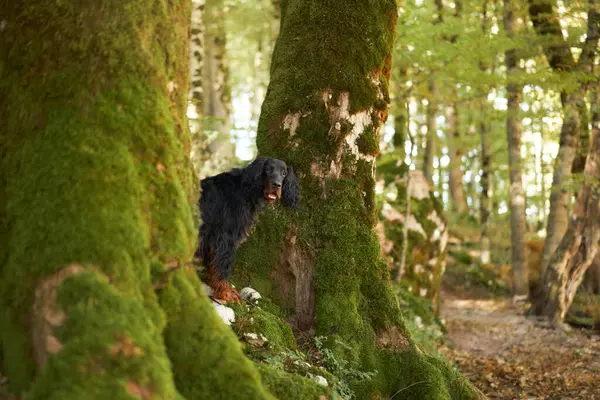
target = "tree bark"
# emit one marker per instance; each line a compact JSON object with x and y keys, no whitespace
{"x":400,"y":112}
{"x":513,"y":132}
{"x":196,"y":94}
{"x":431,"y":141}
{"x":560,"y":58}
{"x":323,"y":115}
{"x":97,"y":194}
{"x":217,"y":91}
{"x":485,"y":202}
{"x":580,"y":244}
{"x":455,"y":152}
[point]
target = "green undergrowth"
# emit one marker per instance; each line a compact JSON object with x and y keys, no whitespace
{"x":425,"y":327}
{"x":585,"y":310}
{"x":466,"y":272}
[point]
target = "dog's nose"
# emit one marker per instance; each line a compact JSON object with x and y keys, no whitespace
{"x":277,"y":185}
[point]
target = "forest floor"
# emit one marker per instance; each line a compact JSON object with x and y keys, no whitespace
{"x":509,"y":356}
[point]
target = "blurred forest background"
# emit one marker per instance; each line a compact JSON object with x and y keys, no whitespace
{"x":493,"y":105}
{"x":451,"y":104}
{"x":480,"y":189}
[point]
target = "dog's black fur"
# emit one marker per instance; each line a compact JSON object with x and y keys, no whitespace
{"x":229,"y":202}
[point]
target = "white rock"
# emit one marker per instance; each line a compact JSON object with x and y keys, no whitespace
{"x":226,"y":313}
{"x":257,"y":340}
{"x":419,"y":322}
{"x":320,"y":380}
{"x":249,"y":294}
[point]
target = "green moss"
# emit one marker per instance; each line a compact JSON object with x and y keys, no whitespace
{"x":416,"y":375}
{"x":105,"y":334}
{"x":255,"y":319}
{"x":368,"y":142}
{"x":290,"y":386}
{"x":207,"y":357}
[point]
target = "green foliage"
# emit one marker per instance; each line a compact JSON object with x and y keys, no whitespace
{"x":347,"y":375}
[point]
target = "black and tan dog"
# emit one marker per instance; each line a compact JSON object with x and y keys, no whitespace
{"x":228,"y":204}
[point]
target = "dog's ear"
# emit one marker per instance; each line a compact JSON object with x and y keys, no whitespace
{"x":290,"y":193}
{"x":254,"y":170}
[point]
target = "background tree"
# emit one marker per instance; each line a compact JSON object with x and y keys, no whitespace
{"x":580,"y":244}
{"x":513,"y":133}
{"x":559,"y":56}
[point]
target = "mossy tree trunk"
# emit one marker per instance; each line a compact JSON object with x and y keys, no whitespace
{"x":559,"y":56}
{"x":325,"y":105}
{"x":513,"y":133}
{"x":96,"y":200}
{"x":580,"y":244}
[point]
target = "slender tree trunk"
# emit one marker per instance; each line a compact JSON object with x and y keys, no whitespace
{"x":196,"y":94}
{"x":455,"y":175}
{"x":513,"y":132}
{"x":560,"y":194}
{"x":400,"y":112}
{"x":217,"y":92}
{"x":542,"y":177}
{"x":96,"y":199}
{"x":580,"y":244}
{"x":485,"y":202}
{"x":323,"y":266}
{"x":431,"y":141}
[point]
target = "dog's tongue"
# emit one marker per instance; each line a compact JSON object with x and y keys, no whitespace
{"x":271,"y":196}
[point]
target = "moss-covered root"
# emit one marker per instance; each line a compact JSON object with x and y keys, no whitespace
{"x":207,"y":357}
{"x":105,"y":342}
{"x":290,"y":386}
{"x":415,"y":375}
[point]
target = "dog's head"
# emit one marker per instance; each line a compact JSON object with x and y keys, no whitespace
{"x":276,"y":180}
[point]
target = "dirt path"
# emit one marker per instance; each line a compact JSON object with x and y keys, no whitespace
{"x":508,"y":356}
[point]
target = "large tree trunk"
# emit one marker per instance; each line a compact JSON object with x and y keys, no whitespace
{"x":217,"y":91}
{"x":580,"y":244}
{"x":96,"y":200}
{"x":322,"y":264}
{"x":560,"y":58}
{"x":455,"y":152}
{"x":513,"y":132}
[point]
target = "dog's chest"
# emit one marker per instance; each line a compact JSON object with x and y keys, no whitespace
{"x":247,"y":230}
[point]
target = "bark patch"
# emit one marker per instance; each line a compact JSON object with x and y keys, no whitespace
{"x":47,"y":315}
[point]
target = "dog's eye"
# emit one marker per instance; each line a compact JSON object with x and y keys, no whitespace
{"x":284,"y":172}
